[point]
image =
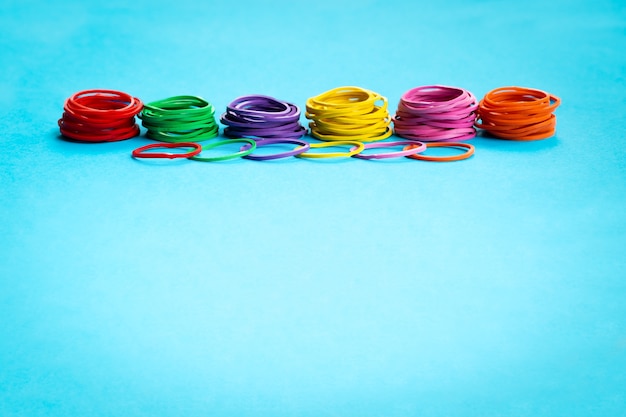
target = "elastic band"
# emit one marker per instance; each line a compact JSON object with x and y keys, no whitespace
{"x":141,"y":152}
{"x":469,"y":152}
{"x":436,"y":113}
{"x":357,"y":147}
{"x":518,"y":113}
{"x":235,"y":155}
{"x":100,"y":116}
{"x":262,"y":117}
{"x":303,"y":147}
{"x":349,"y":113}
{"x":412,"y":150}
{"x":180,"y":119}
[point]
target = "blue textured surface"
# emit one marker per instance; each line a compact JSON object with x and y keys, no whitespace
{"x":490,"y":287}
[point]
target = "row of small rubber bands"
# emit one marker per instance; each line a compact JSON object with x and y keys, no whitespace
{"x":429,"y":116}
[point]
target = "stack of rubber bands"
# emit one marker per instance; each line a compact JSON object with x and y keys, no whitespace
{"x":436,"y":114}
{"x":347,"y":116}
{"x":518,"y":113}
{"x":262,"y":117}
{"x":350,"y":117}
{"x":180,"y":119}
{"x":100,"y":116}
{"x":349,"y":113}
{"x":268,"y":121}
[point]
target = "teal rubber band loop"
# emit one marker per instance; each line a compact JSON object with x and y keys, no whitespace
{"x":235,"y":155}
{"x":180,"y":119}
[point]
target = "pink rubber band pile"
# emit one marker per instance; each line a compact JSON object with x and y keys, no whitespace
{"x":436,"y":113}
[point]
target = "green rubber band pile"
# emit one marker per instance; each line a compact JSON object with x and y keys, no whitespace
{"x":180,"y":119}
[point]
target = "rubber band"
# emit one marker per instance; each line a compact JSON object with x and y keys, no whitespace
{"x":349,"y":113}
{"x":421,"y":147}
{"x":469,"y":152}
{"x":518,"y":113}
{"x":100,"y":116}
{"x":436,"y":113}
{"x":180,"y":119}
{"x":262,"y":117}
{"x":303,"y":147}
{"x":141,"y":152}
{"x":356,"y":148}
{"x":235,"y":155}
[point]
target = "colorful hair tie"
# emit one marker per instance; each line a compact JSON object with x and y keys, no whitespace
{"x":349,"y":113}
{"x":251,"y":143}
{"x":303,"y":147}
{"x":180,"y":119}
{"x":262,"y":117}
{"x":412,"y":150}
{"x":356,"y":148}
{"x":469,"y":152}
{"x":436,"y":113}
{"x":141,"y":152}
{"x":100,"y":116}
{"x":518,"y":113}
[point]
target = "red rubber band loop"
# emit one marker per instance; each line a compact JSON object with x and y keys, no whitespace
{"x":141,"y":152}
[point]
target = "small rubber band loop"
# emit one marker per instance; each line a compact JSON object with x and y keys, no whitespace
{"x":303,"y":147}
{"x":235,"y":155}
{"x":141,"y":152}
{"x":469,"y":152}
{"x":405,"y":152}
{"x":356,"y":148}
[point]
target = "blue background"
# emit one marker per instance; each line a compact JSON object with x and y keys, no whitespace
{"x":490,"y":287}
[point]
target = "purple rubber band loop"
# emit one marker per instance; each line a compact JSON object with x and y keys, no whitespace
{"x":262,"y":117}
{"x":303,"y":147}
{"x":436,"y":113}
{"x":420,"y":148}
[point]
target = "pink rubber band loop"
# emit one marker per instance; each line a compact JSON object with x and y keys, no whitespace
{"x":421,"y":147}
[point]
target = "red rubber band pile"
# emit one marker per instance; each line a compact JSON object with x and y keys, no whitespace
{"x":436,"y":113}
{"x":100,"y":116}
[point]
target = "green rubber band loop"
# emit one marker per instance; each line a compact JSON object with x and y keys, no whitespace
{"x":180,"y":119}
{"x":239,"y":154}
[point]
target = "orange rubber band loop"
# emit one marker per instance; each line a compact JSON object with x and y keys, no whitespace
{"x":469,"y":152}
{"x":518,"y":113}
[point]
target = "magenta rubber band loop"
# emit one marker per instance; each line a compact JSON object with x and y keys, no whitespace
{"x":436,"y":113}
{"x":421,"y":147}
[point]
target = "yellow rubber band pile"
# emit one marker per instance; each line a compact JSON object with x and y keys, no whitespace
{"x":349,"y":114}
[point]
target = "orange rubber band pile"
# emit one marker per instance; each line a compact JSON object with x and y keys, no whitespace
{"x":518,"y":113}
